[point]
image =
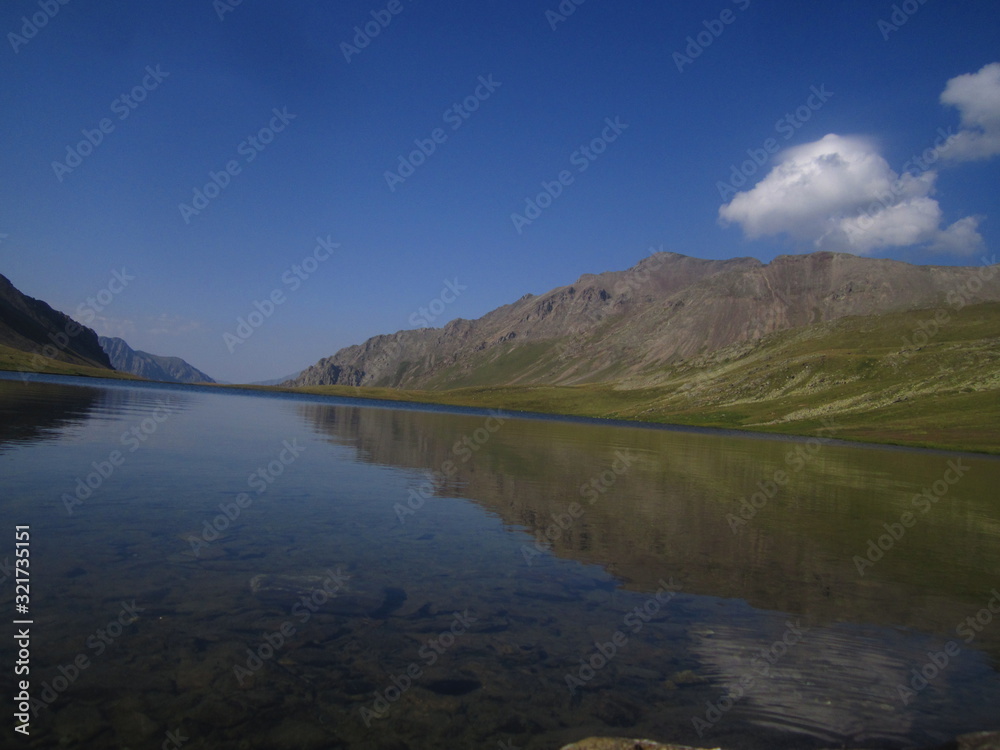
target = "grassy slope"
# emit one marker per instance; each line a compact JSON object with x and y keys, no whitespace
{"x":858,"y":371}
{"x":20,"y":361}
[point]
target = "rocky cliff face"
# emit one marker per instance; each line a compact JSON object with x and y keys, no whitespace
{"x":151,"y":366}
{"x":625,"y":324}
{"x":31,"y":325}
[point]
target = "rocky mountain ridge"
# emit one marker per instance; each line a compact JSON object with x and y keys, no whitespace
{"x":151,"y":366}
{"x":629,"y":325}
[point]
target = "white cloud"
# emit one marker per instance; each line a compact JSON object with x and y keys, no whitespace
{"x":838,"y":193}
{"x":961,"y":238}
{"x":977,"y":98}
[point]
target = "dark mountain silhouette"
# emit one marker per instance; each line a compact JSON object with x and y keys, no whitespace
{"x":31,"y":325}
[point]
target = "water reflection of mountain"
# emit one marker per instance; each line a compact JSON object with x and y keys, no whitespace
{"x":40,"y":410}
{"x":32,"y":411}
{"x":667,"y":514}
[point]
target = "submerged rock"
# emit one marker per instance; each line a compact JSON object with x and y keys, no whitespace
{"x":686,"y":678}
{"x":620,"y":743}
{"x":975,"y":741}
{"x":978,"y":741}
{"x":453,"y":686}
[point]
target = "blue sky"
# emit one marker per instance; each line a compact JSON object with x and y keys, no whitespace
{"x":831,"y":102}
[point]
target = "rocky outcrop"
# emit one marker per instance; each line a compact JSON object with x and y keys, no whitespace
{"x":151,"y":366}
{"x":625,"y":324}
{"x":620,"y":743}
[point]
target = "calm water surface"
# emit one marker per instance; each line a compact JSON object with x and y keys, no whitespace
{"x":259,"y":571}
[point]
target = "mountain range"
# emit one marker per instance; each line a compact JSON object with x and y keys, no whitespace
{"x":37,"y":338}
{"x":894,"y":352}
{"x":150,"y":366}
{"x":277,"y":381}
{"x":631,"y":327}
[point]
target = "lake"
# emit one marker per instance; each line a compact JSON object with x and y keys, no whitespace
{"x":226,"y":569}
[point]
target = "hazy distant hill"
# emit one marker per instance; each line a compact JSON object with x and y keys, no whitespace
{"x":30,"y":325}
{"x":277,"y":381}
{"x":629,"y":326}
{"x":151,"y":366}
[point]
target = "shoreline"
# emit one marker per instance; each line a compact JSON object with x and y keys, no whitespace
{"x":511,"y":399}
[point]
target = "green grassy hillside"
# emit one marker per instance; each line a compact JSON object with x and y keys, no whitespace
{"x":865,"y":373}
{"x":20,"y":361}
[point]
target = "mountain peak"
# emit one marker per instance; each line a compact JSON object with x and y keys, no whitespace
{"x":630,"y":324}
{"x":151,"y":366}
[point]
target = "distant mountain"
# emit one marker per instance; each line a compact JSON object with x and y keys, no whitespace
{"x":277,"y":381}
{"x":151,"y":366}
{"x":631,"y":326}
{"x":30,"y":325}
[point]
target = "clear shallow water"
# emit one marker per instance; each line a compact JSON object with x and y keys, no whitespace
{"x":455,"y":620}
